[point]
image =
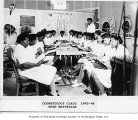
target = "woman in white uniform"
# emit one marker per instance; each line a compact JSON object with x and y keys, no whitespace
{"x":102,"y":77}
{"x":9,"y":35}
{"x":36,"y":71}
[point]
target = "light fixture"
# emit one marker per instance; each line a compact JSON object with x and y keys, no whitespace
{"x":12,"y":7}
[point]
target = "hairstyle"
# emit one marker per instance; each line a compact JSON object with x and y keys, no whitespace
{"x":98,"y":32}
{"x":84,"y":33}
{"x":47,"y":32}
{"x":21,"y":37}
{"x":53,"y":31}
{"x":117,"y":37}
{"x":10,"y":29}
{"x":26,"y":29}
{"x":89,"y":19}
{"x":105,"y":35}
{"x":44,"y":31}
{"x":62,"y":32}
{"x":71,"y":31}
{"x":105,"y":27}
{"x":79,"y":33}
{"x":40,"y":34}
{"x":32,"y":37}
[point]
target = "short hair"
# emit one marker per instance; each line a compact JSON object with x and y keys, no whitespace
{"x":71,"y":30}
{"x":117,"y":37}
{"x":53,"y":31}
{"x":106,"y":27}
{"x":98,"y":32}
{"x":105,"y":35}
{"x":21,"y":37}
{"x":89,"y":19}
{"x":43,"y":30}
{"x":40,"y":34}
{"x":79,"y":33}
{"x":47,"y":32}
{"x":32,"y":37}
{"x":10,"y":29}
{"x":84,"y":33}
{"x":62,"y":32}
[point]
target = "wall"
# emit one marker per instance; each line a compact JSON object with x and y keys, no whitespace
{"x":114,"y":9}
{"x":42,"y":18}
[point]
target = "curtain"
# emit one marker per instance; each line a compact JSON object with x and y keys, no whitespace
{"x":63,"y":21}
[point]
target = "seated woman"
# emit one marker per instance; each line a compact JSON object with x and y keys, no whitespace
{"x":10,"y":34}
{"x":62,"y":36}
{"x":54,"y":36}
{"x":71,"y":35}
{"x":40,"y":42}
{"x":48,"y":38}
{"x":84,"y":63}
{"x":36,"y":71}
{"x":102,"y":77}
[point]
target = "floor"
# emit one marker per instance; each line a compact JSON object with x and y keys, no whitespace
{"x":9,"y":88}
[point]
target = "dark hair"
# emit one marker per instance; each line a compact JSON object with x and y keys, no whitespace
{"x":62,"y":32}
{"x":32,"y":37}
{"x":44,"y":31}
{"x":22,"y":37}
{"x":47,"y":32}
{"x":40,"y":34}
{"x":53,"y":31}
{"x":105,"y":35}
{"x":98,"y":32}
{"x":117,"y":37}
{"x":84,"y":33}
{"x":89,"y":19}
{"x":71,"y":31}
{"x":10,"y":29}
{"x":105,"y":27}
{"x":79,"y":33}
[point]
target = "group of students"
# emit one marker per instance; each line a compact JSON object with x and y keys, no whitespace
{"x":29,"y":46}
{"x":103,"y":48}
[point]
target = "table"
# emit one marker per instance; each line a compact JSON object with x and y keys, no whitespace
{"x":67,"y":51}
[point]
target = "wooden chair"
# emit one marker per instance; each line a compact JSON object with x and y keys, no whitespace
{"x":23,"y":82}
{"x":7,"y":64}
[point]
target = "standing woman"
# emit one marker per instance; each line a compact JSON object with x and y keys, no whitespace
{"x":10,"y":34}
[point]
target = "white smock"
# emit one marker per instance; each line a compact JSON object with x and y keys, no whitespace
{"x":43,"y":73}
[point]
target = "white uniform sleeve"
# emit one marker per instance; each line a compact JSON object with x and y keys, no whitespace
{"x":20,"y":55}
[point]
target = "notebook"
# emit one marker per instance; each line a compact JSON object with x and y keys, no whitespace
{"x":40,"y":58}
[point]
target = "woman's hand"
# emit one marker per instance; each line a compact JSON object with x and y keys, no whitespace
{"x":39,"y":51}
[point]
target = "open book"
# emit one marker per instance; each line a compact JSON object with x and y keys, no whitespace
{"x":98,"y":61}
{"x":40,"y":58}
{"x":50,"y":51}
{"x":43,"y":55}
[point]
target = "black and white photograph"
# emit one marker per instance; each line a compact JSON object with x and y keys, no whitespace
{"x":69,"y":56}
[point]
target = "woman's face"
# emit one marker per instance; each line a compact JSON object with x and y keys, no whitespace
{"x":41,"y":38}
{"x":107,"y":41}
{"x":25,"y":43}
{"x":49,"y":35}
{"x":84,"y":36}
{"x":71,"y":33}
{"x":99,"y":38}
{"x":114,"y":43}
{"x":31,"y":43}
{"x":79,"y":36}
